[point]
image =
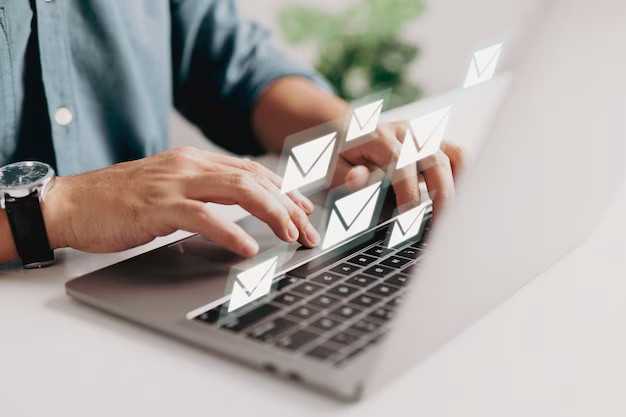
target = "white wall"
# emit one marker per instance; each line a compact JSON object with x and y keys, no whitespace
{"x":446,"y":33}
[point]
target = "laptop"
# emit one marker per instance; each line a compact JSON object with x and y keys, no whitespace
{"x":348,"y":320}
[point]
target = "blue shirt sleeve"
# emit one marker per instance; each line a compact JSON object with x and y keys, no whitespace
{"x":222,"y":63}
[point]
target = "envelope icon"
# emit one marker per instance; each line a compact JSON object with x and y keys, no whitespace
{"x":308,"y":162}
{"x":407,"y":225}
{"x":252,"y":284}
{"x":484,"y":65}
{"x":351,"y":215}
{"x":424,"y":136}
{"x":364,"y":120}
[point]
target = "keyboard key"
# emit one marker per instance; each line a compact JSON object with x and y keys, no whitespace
{"x":363,"y":260}
{"x":411,"y":253}
{"x":315,"y":266}
{"x":287,"y":299}
{"x":327,"y":278}
{"x":346,"y":356}
{"x":346,"y":312}
{"x":326,"y":323}
{"x":382,"y":313}
{"x":398,"y":279}
{"x":378,"y":251}
{"x":250,"y":318}
{"x":410,"y":269}
{"x":364,"y":300}
{"x":343,"y":338}
{"x":324,"y":301}
{"x":383,"y":290}
{"x":395,"y":262}
{"x":296,"y":340}
{"x":345,"y":269}
{"x":307,"y":288}
{"x":422,"y":244}
{"x":377,"y":339}
{"x":343,"y":290}
{"x":287,"y":282}
{"x":303,"y":312}
{"x":379,"y":271}
{"x":322,"y":352}
{"x":363,"y":327}
{"x":361,"y":280}
{"x":271,"y":329}
{"x":395,"y":302}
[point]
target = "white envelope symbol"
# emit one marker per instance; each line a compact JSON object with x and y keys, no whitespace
{"x":424,"y":137}
{"x":253,"y":284}
{"x":364,"y":120}
{"x":483,"y":66}
{"x":407,"y":225}
{"x":308,"y":162}
{"x":351,"y":215}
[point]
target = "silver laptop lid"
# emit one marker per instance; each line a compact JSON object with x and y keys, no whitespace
{"x":551,"y":164}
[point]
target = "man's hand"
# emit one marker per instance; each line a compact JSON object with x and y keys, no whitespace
{"x":293,"y":104}
{"x":439,"y":170}
{"x":129,"y":204}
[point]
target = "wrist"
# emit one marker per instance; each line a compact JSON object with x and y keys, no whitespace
{"x":8,"y":251}
{"x":54,"y":212}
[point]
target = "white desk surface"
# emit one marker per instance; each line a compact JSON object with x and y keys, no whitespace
{"x":558,"y":348}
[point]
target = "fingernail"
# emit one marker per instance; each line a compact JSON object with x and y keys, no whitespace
{"x":307,"y":205}
{"x":250,"y":247}
{"x":293,"y":231}
{"x":312,"y":235}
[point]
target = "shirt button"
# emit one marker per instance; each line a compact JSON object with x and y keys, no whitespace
{"x":63,"y":116}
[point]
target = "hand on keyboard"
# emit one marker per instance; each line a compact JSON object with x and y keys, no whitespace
{"x":439,"y":170}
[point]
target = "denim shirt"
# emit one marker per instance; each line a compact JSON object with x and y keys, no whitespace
{"x":111,"y":71}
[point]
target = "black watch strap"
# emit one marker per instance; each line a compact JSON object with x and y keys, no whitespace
{"x":29,"y":231}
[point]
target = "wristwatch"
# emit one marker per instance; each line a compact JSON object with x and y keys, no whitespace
{"x":23,"y":187}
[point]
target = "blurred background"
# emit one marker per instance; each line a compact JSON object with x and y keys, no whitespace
{"x":365,"y":46}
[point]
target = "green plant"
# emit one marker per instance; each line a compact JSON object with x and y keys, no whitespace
{"x":360,"y":50}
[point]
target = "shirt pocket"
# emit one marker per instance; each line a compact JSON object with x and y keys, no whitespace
{"x":7,"y":97}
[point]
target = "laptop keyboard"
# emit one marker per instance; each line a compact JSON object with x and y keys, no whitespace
{"x":334,"y":310}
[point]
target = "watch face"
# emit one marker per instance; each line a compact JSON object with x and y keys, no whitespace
{"x":23,"y":174}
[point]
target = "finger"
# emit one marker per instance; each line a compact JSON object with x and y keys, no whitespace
{"x":439,"y":180}
{"x":381,"y":151}
{"x":257,"y":169}
{"x":308,"y":236}
{"x":341,"y":170}
{"x":405,"y":183}
{"x":458,"y":158}
{"x":357,"y":177}
{"x":377,"y":153}
{"x":244,"y":189}
{"x":196,"y":217}
{"x":405,"y":180}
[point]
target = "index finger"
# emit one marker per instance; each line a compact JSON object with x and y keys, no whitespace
{"x":405,"y":180}
{"x":405,"y":183}
{"x":439,"y":180}
{"x":256,"y":168}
